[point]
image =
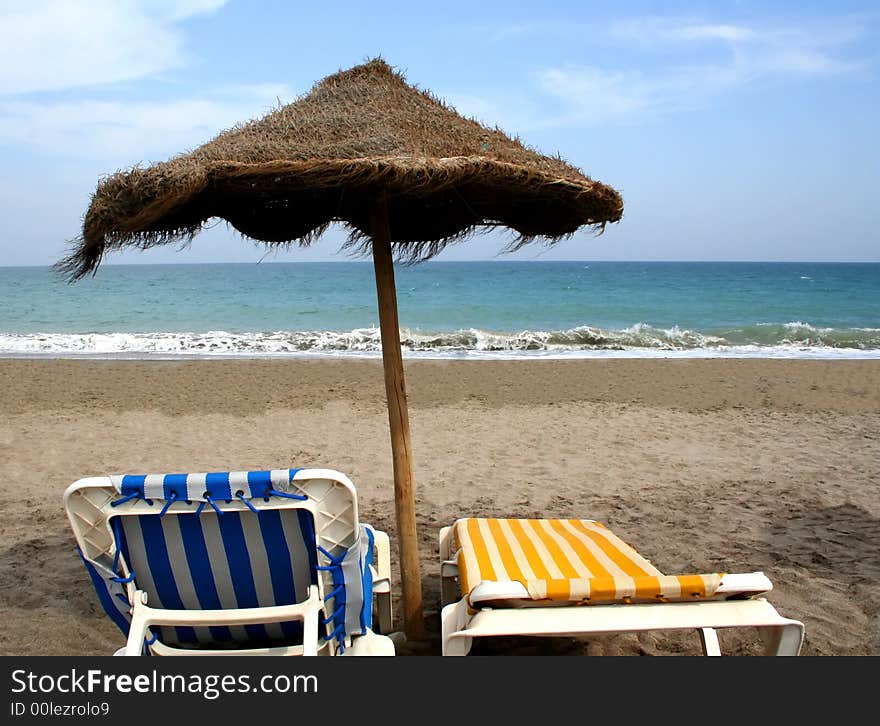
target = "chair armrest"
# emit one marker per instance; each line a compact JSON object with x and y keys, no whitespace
{"x":747,"y":583}
{"x":446,"y":543}
{"x":449,"y":568}
{"x":382,"y":579}
{"x":382,"y":546}
{"x":143,"y":616}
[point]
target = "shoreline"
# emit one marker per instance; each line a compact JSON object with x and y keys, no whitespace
{"x":732,"y":353}
{"x":703,"y":465}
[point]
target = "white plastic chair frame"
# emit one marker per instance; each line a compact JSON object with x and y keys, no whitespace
{"x":505,"y":609}
{"x":332,"y":501}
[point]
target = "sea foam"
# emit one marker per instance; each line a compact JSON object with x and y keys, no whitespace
{"x":794,"y":339}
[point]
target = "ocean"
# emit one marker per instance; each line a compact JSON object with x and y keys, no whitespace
{"x":492,"y":309}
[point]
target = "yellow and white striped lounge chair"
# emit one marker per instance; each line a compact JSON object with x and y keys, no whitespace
{"x":567,"y":577}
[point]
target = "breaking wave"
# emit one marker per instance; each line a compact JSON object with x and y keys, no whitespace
{"x":794,"y":339}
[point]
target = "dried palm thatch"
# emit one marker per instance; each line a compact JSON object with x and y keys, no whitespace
{"x":284,"y":178}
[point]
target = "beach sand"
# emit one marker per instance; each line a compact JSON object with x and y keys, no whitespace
{"x":702,"y":465}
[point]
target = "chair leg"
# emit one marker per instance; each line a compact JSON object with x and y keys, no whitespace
{"x":783,"y":639}
{"x":383,"y":612}
{"x":382,"y":583}
{"x":709,"y":641}
{"x":449,"y":591}
{"x":310,"y":632}
{"x":453,"y":618}
{"x":137,"y":629}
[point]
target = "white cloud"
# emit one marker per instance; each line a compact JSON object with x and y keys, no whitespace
{"x":56,"y":45}
{"x":594,"y":94}
{"x":752,"y":50}
{"x":51,"y":45}
{"x":719,"y":57}
{"x":589,"y":94}
{"x":683,"y":64}
{"x":124,"y":132}
{"x":173,"y":10}
{"x":730,"y":33}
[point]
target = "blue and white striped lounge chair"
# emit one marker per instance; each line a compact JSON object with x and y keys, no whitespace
{"x":243,"y":563}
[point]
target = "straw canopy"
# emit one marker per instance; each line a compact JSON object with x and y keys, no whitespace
{"x":405,"y":173}
{"x":284,"y":178}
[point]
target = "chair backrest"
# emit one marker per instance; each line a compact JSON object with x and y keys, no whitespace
{"x":226,"y":540}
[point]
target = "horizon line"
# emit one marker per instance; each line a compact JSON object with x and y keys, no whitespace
{"x":417,"y":264}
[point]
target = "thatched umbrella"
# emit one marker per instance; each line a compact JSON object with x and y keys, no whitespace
{"x":402,"y":171}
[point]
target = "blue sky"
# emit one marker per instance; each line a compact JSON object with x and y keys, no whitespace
{"x":734,"y":131}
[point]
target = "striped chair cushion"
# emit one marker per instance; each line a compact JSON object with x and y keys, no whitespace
{"x":568,"y":560}
{"x":210,"y":561}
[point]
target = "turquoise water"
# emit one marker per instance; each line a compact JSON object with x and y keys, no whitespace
{"x":459,"y":309}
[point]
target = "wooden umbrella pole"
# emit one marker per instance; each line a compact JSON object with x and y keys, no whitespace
{"x":398,"y":418}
